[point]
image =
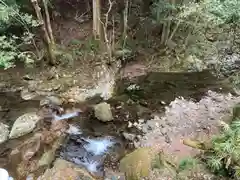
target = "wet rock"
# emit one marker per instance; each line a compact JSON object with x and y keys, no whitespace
{"x":113,"y":175}
{"x":26,"y":151}
{"x":47,"y":158}
{"x":129,"y":136}
{"x":28,"y":95}
{"x":57,"y":101}
{"x":65,"y":170}
{"x":103,"y":112}
{"x":31,"y":147}
{"x":3,"y":133}
{"x":138,"y":164}
{"x":24,"y":125}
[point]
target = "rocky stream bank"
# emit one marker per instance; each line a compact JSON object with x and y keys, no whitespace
{"x":60,"y":126}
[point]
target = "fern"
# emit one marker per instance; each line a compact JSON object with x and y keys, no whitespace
{"x":225,"y":152}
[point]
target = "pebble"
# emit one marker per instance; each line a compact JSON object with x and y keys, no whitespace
{"x":136,"y":144}
{"x":167,"y":139}
{"x":163,"y":131}
{"x":130,"y":124}
{"x":129,"y":136}
{"x":139,"y":137}
{"x":144,"y":129}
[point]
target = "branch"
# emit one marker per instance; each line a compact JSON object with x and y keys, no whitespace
{"x":47,"y":39}
{"x":105,"y":25}
{"x":197,"y":144}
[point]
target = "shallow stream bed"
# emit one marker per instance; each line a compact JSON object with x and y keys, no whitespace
{"x":96,"y":145}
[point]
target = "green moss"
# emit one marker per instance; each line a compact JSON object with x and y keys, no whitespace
{"x":137,"y":164}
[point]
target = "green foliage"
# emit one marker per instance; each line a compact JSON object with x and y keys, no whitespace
{"x":235,"y":80}
{"x":12,"y":45}
{"x":193,"y":19}
{"x":162,"y":10}
{"x":187,"y":163}
{"x":224,"y":156}
{"x":64,"y":56}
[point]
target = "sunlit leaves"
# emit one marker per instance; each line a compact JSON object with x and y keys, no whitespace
{"x":10,"y":49}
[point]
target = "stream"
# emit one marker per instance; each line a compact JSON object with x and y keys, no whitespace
{"x":96,"y":145}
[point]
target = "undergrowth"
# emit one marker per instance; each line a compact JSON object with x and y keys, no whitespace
{"x":13,"y":45}
{"x":223,"y":157}
{"x":222,"y":152}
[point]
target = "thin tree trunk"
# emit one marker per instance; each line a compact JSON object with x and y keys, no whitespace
{"x":97,"y":19}
{"x":164,"y":31}
{"x":46,"y":40}
{"x":125,"y":18}
{"x":49,"y":27}
{"x":120,"y":10}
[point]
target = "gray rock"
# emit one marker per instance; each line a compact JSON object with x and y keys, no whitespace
{"x":152,"y":124}
{"x":65,"y":170}
{"x":47,"y":158}
{"x":144,"y":128}
{"x":24,"y":125}
{"x":28,"y":95}
{"x":163,"y":131}
{"x":103,"y":112}
{"x":54,"y":100}
{"x":3,"y":133}
{"x":129,"y":136}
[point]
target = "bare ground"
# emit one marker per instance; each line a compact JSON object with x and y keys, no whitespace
{"x":185,"y":119}
{"x":188,"y":119}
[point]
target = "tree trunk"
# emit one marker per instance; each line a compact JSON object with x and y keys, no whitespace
{"x":125,"y":19}
{"x":49,"y":27}
{"x":97,"y":19}
{"x":46,"y":39}
{"x":120,"y":10}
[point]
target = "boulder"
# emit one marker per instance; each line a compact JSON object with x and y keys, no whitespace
{"x":138,"y":164}
{"x":65,"y":170}
{"x":3,"y":133}
{"x":24,"y":125}
{"x":54,"y":100}
{"x":103,"y":112}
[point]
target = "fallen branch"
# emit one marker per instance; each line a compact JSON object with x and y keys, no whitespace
{"x":197,"y":144}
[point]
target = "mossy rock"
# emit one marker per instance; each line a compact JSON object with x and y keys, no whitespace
{"x":138,"y":164}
